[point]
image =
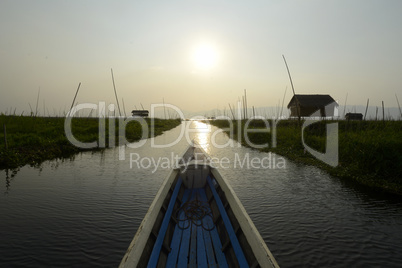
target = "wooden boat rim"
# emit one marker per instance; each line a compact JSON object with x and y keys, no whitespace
{"x":263,"y":255}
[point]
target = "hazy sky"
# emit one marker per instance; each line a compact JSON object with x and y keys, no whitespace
{"x":332,"y":47}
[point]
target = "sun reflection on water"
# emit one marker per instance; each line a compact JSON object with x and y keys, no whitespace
{"x":202,"y":134}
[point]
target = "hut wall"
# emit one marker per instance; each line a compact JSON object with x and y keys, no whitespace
{"x":312,"y":111}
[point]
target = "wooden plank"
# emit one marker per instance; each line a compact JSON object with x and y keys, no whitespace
{"x":175,"y":244}
{"x":185,"y":244}
{"x":220,"y":256}
{"x":153,"y":260}
{"x":193,"y":247}
{"x":233,"y":238}
{"x":216,"y":242}
{"x":201,"y":251}
{"x":209,"y":248}
{"x":201,"y":254}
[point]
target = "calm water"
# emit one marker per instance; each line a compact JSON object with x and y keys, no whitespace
{"x":85,"y":211}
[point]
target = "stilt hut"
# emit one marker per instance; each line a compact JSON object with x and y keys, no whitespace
{"x":307,"y":105}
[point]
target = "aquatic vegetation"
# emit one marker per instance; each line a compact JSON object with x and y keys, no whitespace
{"x":369,"y":151}
{"x":31,"y":140}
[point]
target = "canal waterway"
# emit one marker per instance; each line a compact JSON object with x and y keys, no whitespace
{"x":84,"y":211}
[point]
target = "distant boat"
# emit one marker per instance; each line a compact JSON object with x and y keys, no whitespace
{"x":196,"y":220}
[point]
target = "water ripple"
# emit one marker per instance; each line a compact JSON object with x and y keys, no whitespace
{"x":84,"y":213}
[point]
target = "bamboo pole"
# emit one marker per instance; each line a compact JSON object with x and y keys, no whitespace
{"x":231,"y":111}
{"x":244,"y":113}
{"x":294,"y":94}
{"x":115,"y":92}
{"x":344,"y":107}
{"x":30,"y":108}
{"x":400,"y":111}
{"x":365,"y":113}
{"x":124,"y":108}
{"x":75,"y":96}
{"x":37,"y":101}
{"x":245,"y":103}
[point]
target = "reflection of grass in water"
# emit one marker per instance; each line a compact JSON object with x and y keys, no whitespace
{"x":369,"y":151}
{"x":34,"y":139}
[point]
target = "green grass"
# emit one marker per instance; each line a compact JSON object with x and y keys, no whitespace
{"x":369,"y":151}
{"x":31,"y":140}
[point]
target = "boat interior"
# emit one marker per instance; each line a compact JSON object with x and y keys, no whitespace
{"x":196,"y":226}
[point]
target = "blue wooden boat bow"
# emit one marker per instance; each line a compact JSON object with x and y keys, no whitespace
{"x":196,"y":220}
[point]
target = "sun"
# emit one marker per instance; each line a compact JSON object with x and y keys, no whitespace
{"x":205,"y":56}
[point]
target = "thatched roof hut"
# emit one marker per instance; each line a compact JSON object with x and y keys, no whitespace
{"x":310,"y":104}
